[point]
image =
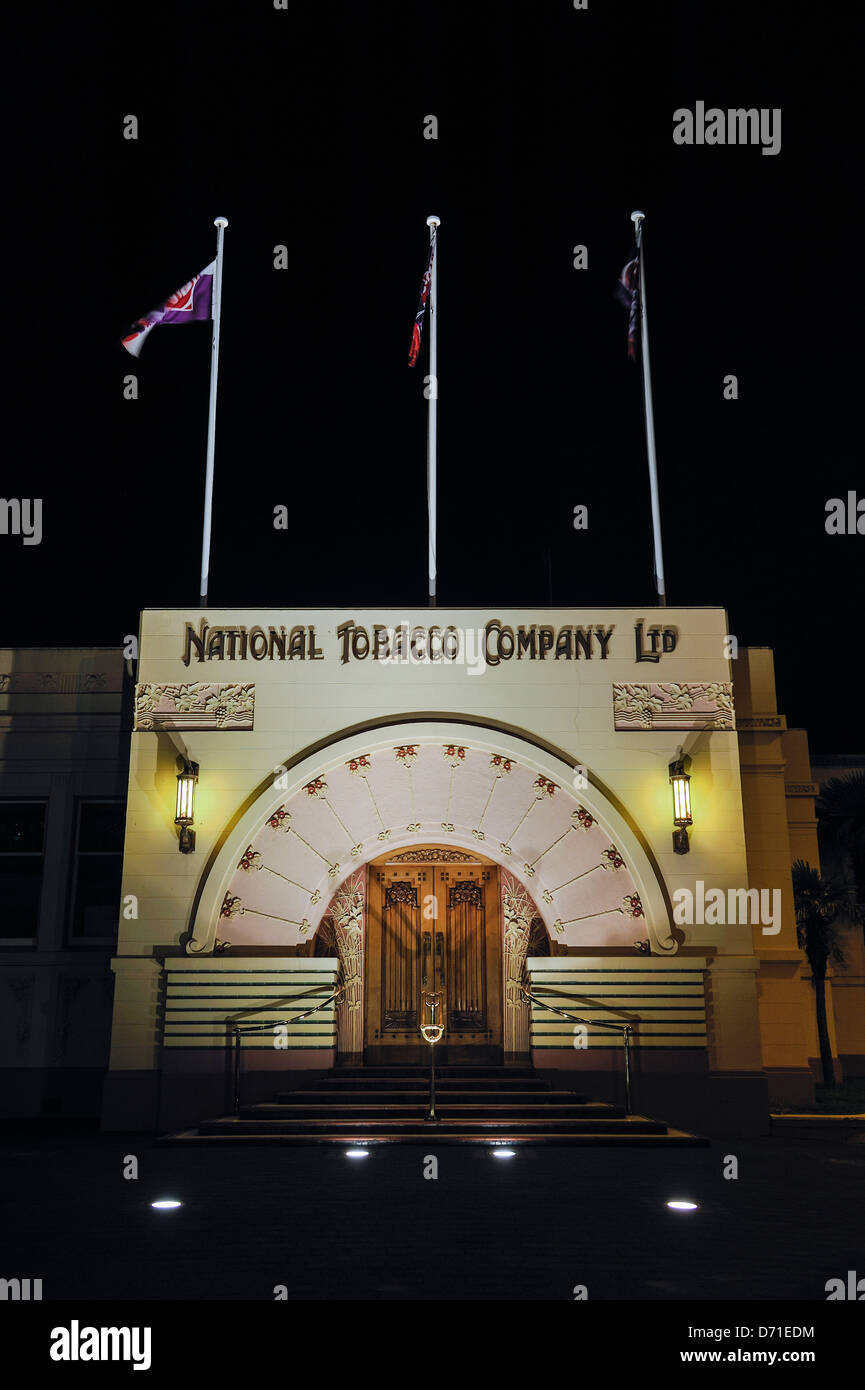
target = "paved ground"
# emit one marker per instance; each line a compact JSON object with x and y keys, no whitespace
{"x":531,"y":1227}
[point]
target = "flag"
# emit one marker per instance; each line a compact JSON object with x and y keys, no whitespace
{"x":192,"y":303}
{"x":421,"y":309}
{"x":628,"y":293}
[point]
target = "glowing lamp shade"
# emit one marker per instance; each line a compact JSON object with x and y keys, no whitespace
{"x":681,"y":784}
{"x":185,"y":813}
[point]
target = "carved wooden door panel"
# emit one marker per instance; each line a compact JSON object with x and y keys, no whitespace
{"x":396,"y":960}
{"x":468,"y":920}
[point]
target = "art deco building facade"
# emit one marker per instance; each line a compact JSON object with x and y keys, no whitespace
{"x":455,"y":803}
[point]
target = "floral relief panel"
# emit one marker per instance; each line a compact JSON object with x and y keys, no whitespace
{"x":663,"y":705}
{"x":195,"y":705}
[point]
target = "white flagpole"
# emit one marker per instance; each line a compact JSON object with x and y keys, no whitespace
{"x":433,"y":223}
{"x":220,"y":223}
{"x":637,"y":219}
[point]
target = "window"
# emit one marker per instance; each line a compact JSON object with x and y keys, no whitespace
{"x":22,"y":835}
{"x":97,"y":870}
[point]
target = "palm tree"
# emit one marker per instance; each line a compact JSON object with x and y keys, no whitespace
{"x":821,"y":903}
{"x":841,"y":811}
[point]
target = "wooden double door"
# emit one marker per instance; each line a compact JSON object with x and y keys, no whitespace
{"x":433,"y":930}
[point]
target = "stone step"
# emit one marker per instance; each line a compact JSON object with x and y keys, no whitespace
{"x":475,"y":1083}
{"x":433,"y":1136}
{"x":475,"y":1105}
{"x":634,"y":1124}
{"x":422,"y":1069}
{"x":419,"y":1109}
{"x":420,"y":1094}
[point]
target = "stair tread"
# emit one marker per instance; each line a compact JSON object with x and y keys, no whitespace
{"x":422,"y":1074}
{"x":598,"y":1108}
{"x":508,"y":1097}
{"x":598,"y":1125}
{"x":443,"y":1084}
{"x":424,"y":1069}
{"x":670,"y":1137}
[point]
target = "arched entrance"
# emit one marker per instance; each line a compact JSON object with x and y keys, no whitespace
{"x":433,"y":953}
{"x":452,"y":922}
{"x":483,"y":790}
{"x":330,"y":838}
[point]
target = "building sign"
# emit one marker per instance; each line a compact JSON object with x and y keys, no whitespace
{"x":408,"y":644}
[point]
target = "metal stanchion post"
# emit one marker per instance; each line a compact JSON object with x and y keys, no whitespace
{"x":431,"y":1033}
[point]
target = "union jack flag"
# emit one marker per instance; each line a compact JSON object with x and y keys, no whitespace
{"x":628,"y":293}
{"x":421,"y":308}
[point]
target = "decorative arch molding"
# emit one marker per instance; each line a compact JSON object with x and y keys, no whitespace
{"x":384,"y":787}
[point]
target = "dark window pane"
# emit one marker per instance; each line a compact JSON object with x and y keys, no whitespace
{"x":100,"y":826}
{"x":21,"y":827}
{"x":20,"y":882}
{"x":97,"y":895}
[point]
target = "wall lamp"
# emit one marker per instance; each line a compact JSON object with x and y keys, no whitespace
{"x":185,"y":814}
{"x":680,"y":781}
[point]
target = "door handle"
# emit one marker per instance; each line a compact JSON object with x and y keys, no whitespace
{"x":440,"y":958}
{"x":427,"y":946}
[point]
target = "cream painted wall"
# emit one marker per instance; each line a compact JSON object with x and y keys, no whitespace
{"x":567,"y":704}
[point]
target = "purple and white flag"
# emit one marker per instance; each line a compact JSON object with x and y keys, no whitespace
{"x":628,"y":293}
{"x":417,"y":329}
{"x":192,"y":303}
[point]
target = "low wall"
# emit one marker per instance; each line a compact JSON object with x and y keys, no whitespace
{"x":663,"y":999}
{"x":191,"y":1072}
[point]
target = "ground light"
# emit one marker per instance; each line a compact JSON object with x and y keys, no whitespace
{"x":357,"y":1153}
{"x":683,"y":1206}
{"x":504,"y":1153}
{"x":166,"y":1204}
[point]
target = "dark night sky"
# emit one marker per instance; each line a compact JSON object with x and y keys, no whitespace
{"x":306,"y":128}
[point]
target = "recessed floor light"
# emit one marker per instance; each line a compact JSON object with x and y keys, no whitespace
{"x":504,"y":1153}
{"x":166,"y":1204}
{"x":357,"y":1153}
{"x":683,"y":1206}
